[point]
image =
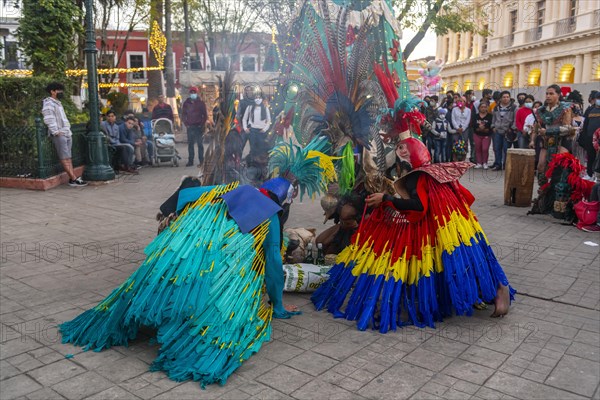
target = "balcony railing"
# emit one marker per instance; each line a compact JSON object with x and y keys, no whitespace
{"x":533,"y":34}
{"x":507,"y":41}
{"x":565,"y":26}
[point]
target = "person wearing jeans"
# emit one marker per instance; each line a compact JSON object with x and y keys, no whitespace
{"x":195,"y":117}
{"x":482,"y":131}
{"x":441,"y":131}
{"x":503,"y":125}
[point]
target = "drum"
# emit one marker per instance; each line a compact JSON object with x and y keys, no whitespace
{"x":519,"y":177}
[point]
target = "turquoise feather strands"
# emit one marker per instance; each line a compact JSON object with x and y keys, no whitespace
{"x":201,"y":287}
{"x":288,"y":160}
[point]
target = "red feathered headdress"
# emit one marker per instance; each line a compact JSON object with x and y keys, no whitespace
{"x":402,"y":116}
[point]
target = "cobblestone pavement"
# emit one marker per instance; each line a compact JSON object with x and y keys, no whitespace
{"x":64,"y":250}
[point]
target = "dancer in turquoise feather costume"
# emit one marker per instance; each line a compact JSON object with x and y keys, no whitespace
{"x":202,"y":283}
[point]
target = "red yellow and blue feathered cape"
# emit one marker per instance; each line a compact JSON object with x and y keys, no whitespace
{"x":415,"y":267}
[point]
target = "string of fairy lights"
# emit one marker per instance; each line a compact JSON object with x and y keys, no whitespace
{"x":158,"y":45}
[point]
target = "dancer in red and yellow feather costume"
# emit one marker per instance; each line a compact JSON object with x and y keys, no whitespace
{"x":417,"y":258}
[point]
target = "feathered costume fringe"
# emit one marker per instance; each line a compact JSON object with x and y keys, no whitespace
{"x":425,"y":268}
{"x":580,"y":188}
{"x":201,"y":286}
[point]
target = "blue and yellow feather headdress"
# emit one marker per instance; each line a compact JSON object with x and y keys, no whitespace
{"x":309,"y":167}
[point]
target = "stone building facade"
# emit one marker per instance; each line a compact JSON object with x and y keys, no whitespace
{"x":533,"y":44}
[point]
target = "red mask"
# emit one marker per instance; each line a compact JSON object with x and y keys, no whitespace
{"x":414,"y":152}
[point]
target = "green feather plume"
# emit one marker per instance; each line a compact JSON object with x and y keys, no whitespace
{"x":347,"y":177}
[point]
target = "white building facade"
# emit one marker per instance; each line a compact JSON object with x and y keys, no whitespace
{"x":533,"y":44}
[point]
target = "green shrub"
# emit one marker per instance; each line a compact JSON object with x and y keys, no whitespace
{"x":21,"y":101}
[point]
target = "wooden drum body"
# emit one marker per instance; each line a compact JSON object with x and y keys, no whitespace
{"x":519,"y":177}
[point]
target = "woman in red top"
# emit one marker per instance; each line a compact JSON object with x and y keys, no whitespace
{"x":520,"y":117}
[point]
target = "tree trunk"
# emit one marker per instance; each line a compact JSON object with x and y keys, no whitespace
{"x":155,"y":77}
{"x":410,"y":47}
{"x":169,"y":72}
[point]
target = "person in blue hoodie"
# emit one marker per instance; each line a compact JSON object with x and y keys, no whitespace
{"x":128,"y":136}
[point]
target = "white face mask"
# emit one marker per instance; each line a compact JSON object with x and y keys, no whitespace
{"x":257,"y":101}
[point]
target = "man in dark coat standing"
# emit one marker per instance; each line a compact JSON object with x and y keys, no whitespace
{"x":194,"y":116}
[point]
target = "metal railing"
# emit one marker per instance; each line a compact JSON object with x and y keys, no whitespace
{"x":28,"y":151}
{"x":533,"y":34}
{"x":565,"y":26}
{"x":508,"y":41}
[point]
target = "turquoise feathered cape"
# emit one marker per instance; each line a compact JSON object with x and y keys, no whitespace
{"x":201,"y":287}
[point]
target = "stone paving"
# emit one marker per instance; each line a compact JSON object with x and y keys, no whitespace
{"x":64,"y":250}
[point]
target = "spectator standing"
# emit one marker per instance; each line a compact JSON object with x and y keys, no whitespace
{"x":431,"y":113}
{"x":243,"y":104}
{"x":461,"y":119}
{"x":125,"y":151}
{"x":195,"y":116}
{"x":59,"y":129}
{"x":503,"y":124}
{"x":528,"y":129}
{"x":486,"y":97}
{"x":590,"y":125}
{"x":482,"y":135}
{"x":442,"y":129}
{"x":256,"y":123}
{"x":449,"y":140}
{"x":591,"y":101}
{"x":162,"y":109}
{"x":522,"y":113}
{"x":496,"y":96}
{"x":470,"y":102}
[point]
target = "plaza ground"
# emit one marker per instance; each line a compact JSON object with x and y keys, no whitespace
{"x":66,"y":249}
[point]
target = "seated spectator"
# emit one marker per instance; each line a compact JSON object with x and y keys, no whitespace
{"x":125,"y":151}
{"x":127,"y":135}
{"x":145,"y":152}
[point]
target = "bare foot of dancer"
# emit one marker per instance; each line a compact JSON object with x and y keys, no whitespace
{"x":502,"y":302}
{"x":291,"y":308}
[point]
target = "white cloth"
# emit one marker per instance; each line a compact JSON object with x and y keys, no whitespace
{"x":528,"y":125}
{"x":55,"y":118}
{"x":256,"y":122}
{"x":461,"y":118}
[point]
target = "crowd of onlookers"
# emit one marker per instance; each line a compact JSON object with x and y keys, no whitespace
{"x":460,"y":127}
{"x":128,"y":138}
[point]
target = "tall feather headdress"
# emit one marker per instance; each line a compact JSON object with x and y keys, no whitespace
{"x":338,"y":97}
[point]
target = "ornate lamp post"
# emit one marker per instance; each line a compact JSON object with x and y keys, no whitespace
{"x":98,"y":168}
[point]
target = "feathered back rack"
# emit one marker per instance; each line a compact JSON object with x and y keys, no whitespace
{"x":214,"y":164}
{"x":401,"y":117}
{"x":310,"y":167}
{"x":336,"y":95}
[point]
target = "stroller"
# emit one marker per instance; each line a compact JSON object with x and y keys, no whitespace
{"x":164,"y":143}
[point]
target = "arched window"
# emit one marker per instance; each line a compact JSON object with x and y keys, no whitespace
{"x":507,"y":81}
{"x":566,"y":74}
{"x":481,"y":84}
{"x":533,"y":79}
